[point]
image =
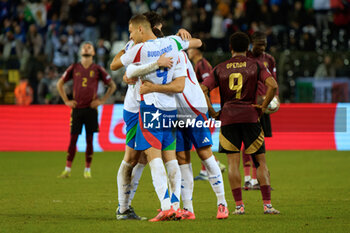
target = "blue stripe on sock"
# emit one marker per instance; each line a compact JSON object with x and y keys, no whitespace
{"x":166,"y":194}
{"x":174,"y":199}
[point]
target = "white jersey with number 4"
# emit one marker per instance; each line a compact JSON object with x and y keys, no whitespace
{"x":149,"y":52}
{"x":191,"y":102}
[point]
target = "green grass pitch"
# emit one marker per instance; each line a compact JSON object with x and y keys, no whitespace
{"x":311,"y":189}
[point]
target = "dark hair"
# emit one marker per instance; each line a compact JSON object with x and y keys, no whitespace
{"x":258,"y":35}
{"x":239,"y":42}
{"x":154,"y":18}
{"x":158,"y":33}
{"x":140,"y":20}
{"x":202,"y":48}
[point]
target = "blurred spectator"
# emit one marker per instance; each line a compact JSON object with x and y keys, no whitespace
{"x":34,"y":41}
{"x":326,"y":69}
{"x":63,"y":54}
{"x":44,"y":93}
{"x":73,"y":41}
{"x":138,"y":7}
{"x":308,"y":40}
{"x":173,"y":13}
{"x":75,"y":11}
{"x":91,"y":31}
{"x":19,"y":33}
{"x":12,"y":47}
{"x":102,"y":53}
{"x":203,"y":24}
{"x":217,"y":30}
{"x":104,"y":20}
{"x":122,"y":15}
{"x":188,"y":15}
{"x":321,"y":8}
{"x":23,"y":93}
{"x":40,"y":79}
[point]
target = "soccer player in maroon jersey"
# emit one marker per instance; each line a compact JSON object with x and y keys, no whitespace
{"x":85,"y":76}
{"x":258,"y":53}
{"x":202,"y":68}
{"x":238,"y":81}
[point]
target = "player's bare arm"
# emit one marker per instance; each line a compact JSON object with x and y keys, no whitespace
{"x":176,"y":86}
{"x":62,"y":92}
{"x":185,"y":35}
{"x":211,"y":110}
{"x":195,"y":43}
{"x":116,"y":63}
{"x":272,"y":86}
{"x":111,"y":88}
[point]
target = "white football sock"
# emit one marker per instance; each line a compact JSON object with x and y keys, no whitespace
{"x":247,"y":178}
{"x":215,"y":179}
{"x":123,"y":180}
{"x":187,"y":186}
{"x":203,"y":172}
{"x":68,"y":169}
{"x":254,"y":181}
{"x":135,"y":178}
{"x":174,"y":175}
{"x":87,"y":169}
{"x":160,"y":182}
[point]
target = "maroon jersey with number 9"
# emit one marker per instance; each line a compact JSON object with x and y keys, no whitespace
{"x":238,"y":81}
{"x":85,"y":82}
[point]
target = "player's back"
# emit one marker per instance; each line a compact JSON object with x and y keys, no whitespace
{"x":238,"y":80}
{"x":150,"y":52}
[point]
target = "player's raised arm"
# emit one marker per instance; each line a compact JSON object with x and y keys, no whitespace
{"x":184,"y":34}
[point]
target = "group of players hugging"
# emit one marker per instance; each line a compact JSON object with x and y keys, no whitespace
{"x":164,"y":95}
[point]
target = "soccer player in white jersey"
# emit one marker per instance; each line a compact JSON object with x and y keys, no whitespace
{"x":131,"y":156}
{"x":127,"y":185}
{"x":191,"y":103}
{"x":155,"y":108}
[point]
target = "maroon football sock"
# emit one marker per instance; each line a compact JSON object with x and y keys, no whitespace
{"x":203,"y":168}
{"x":266,"y":194}
{"x":246,"y":163}
{"x":89,"y":150}
{"x":237,"y":195}
{"x":253,"y":171}
{"x":71,"y":149}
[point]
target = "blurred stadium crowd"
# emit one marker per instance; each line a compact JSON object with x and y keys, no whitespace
{"x":39,"y":39}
